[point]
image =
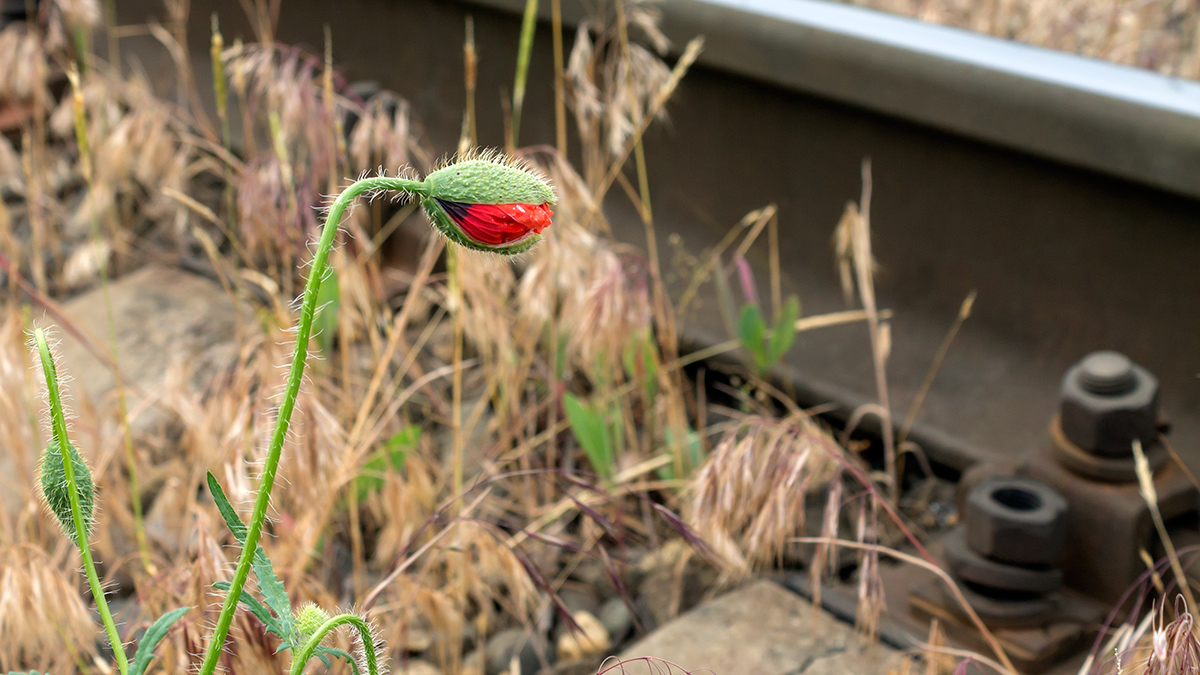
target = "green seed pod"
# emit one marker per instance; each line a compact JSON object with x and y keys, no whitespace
{"x":489,"y":203}
{"x":56,"y":490}
{"x":308,"y":620}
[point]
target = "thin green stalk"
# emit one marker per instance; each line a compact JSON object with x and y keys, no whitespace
{"x":364,"y":632}
{"x":470,"y":66}
{"x":58,"y":423}
{"x":320,"y":265}
{"x":85,"y":160}
{"x":528,"y":25}
{"x":222,"y":96}
{"x":560,"y":96}
{"x":82,"y":48}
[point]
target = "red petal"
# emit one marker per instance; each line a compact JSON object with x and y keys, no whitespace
{"x":498,"y":224}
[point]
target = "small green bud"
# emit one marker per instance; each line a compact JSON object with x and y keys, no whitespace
{"x":56,"y":489}
{"x":308,"y":620}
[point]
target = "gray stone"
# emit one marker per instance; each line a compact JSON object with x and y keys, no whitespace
{"x":617,"y":619}
{"x":763,"y":629}
{"x":163,"y":317}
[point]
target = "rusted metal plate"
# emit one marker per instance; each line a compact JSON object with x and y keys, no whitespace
{"x":1109,"y":523}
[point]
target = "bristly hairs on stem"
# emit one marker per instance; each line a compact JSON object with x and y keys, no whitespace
{"x":368,"y":647}
{"x":287,"y":404}
{"x":74,"y":482}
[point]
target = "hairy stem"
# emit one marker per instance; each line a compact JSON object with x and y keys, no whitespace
{"x":364,"y":632}
{"x":58,"y":423}
{"x":320,"y":265}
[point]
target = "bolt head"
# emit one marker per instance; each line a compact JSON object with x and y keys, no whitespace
{"x":1106,"y":402}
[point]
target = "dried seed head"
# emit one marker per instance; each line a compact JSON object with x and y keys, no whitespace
{"x":308,"y":620}
{"x":56,"y":489}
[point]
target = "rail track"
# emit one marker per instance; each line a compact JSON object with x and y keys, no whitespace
{"x":1062,"y":190}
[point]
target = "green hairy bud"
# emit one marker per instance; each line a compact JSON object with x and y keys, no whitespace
{"x":489,"y":202}
{"x":489,"y":179}
{"x":308,"y":620}
{"x":56,"y":490}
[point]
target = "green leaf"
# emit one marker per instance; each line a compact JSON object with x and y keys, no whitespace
{"x":589,"y":429}
{"x":785,"y":331}
{"x":150,"y":639}
{"x":258,"y":609}
{"x":323,"y":652}
{"x":273,"y":592}
{"x":751,"y":328}
{"x":325,"y":322}
{"x":391,"y":454}
{"x":232,"y":520}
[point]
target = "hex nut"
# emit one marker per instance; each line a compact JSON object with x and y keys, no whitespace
{"x":1016,"y":520}
{"x":1106,"y":401}
{"x":992,"y":576}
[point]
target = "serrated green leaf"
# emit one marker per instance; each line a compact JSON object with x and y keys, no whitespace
{"x":325,"y":321}
{"x":256,"y":608}
{"x":274,"y":594}
{"x":751,"y":328}
{"x":150,"y":639}
{"x":785,"y":331}
{"x":339,"y":653}
{"x":589,"y":429}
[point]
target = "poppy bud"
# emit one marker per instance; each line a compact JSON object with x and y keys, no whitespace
{"x":308,"y":620}
{"x":489,"y":203}
{"x":56,"y":489}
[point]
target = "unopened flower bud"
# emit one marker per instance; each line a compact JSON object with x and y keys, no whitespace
{"x":489,"y":203}
{"x":308,"y":620}
{"x":56,"y":489}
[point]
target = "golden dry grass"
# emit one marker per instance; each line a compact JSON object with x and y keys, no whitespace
{"x":1160,"y":35}
{"x":496,"y":506}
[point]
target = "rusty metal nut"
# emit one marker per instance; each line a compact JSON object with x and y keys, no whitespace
{"x":1106,"y":401}
{"x":1016,"y":520}
{"x":968,"y":565}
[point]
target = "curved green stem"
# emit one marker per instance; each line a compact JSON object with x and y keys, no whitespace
{"x":320,"y":264}
{"x":364,"y":631}
{"x":58,"y":424}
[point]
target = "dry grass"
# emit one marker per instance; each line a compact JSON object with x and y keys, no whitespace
{"x":1163,"y":35}
{"x":496,"y":506}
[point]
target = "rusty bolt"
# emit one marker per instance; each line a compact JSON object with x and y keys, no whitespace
{"x":1016,"y":520}
{"x":1106,"y":402}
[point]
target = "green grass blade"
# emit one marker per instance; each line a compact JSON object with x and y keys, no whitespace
{"x":589,"y":429}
